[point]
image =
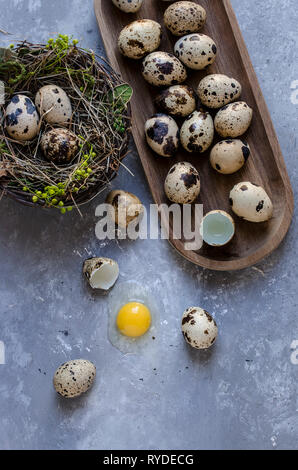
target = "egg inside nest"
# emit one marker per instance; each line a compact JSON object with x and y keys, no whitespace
{"x":133,"y":321}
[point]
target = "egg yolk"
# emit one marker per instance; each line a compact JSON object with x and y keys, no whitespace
{"x":133,"y":319}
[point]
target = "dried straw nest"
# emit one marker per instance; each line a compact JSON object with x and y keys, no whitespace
{"x":101,"y":120}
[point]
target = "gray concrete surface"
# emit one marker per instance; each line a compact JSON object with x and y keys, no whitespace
{"x":243,"y":393}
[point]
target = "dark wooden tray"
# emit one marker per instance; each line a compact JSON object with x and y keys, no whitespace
{"x":266,"y":165}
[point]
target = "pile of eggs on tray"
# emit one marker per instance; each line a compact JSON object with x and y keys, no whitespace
{"x":23,"y":121}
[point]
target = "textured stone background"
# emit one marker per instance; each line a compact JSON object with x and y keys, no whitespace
{"x":243,"y":393}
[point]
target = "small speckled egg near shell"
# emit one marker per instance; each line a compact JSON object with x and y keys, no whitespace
{"x":196,"y":51}
{"x":182,"y":184}
{"x":21,"y":118}
{"x":199,"y":328}
{"x":163,"y":69}
{"x":162,"y":134}
{"x":184,"y":17}
{"x":251,"y":202}
{"x":59,"y":145}
{"x":73,"y":378}
{"x":228,"y":156}
{"x":53,"y":101}
{"x":139,"y":38}
{"x":233,"y":120}
{"x":178,"y":100}
{"x":128,"y":6}
{"x":125,"y":207}
{"x":197,"y":132}
{"x":217,"y":90}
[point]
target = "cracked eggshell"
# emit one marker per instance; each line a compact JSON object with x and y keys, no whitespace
{"x":59,"y":145}
{"x":228,"y":156}
{"x":128,"y":6}
{"x":197,"y":132}
{"x":139,"y":38}
{"x":73,"y":378}
{"x":178,"y":100}
{"x":52,"y":97}
{"x":198,"y":328}
{"x":182,"y":184}
{"x":251,"y":202}
{"x":217,"y":90}
{"x":233,"y":120}
{"x":183,"y":18}
{"x":125,"y":207}
{"x":162,"y":134}
{"x":196,"y":51}
{"x":163,"y":69}
{"x":217,"y":228}
{"x":21,"y":118}
{"x":101,"y":273}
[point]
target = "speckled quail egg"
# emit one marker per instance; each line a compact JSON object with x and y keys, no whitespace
{"x":128,"y":6}
{"x":101,"y":273}
{"x":217,"y":228}
{"x":182,"y":184}
{"x":184,"y":17}
{"x":54,"y":105}
{"x":233,"y":120}
{"x":125,"y":207}
{"x":196,"y":51}
{"x":178,"y":100}
{"x":197,"y":132}
{"x":163,"y":69}
{"x":217,"y":90}
{"x":139,"y":38}
{"x":21,"y":118}
{"x":59,"y":146}
{"x":162,"y":134}
{"x":73,"y":378}
{"x":199,"y":328}
{"x":251,"y":202}
{"x":228,"y":156}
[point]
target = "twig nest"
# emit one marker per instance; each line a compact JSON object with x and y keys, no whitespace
{"x":101,"y":273}
{"x":217,"y":228}
{"x":54,"y":105}
{"x":125,"y":207}
{"x":178,"y":100}
{"x":228,"y":156}
{"x":21,"y":118}
{"x":182,"y":184}
{"x":199,"y":328}
{"x":162,"y":134}
{"x":73,"y":378}
{"x":128,"y":6}
{"x":139,"y":38}
{"x":59,"y":146}
{"x":184,"y":17}
{"x":251,"y":202}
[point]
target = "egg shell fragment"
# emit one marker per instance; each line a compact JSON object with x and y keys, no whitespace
{"x":162,"y":135}
{"x":233,"y":120}
{"x":196,"y":51}
{"x":251,"y":202}
{"x":182,"y":184}
{"x":73,"y":378}
{"x":54,"y":105}
{"x":21,"y":118}
{"x":229,"y":156}
{"x":217,"y":228}
{"x":198,"y":328}
{"x":101,"y":273}
{"x":178,"y":100}
{"x":128,"y":6}
{"x":197,"y":132}
{"x":163,"y":69}
{"x":139,"y":38}
{"x":182,"y":18}
{"x":217,"y":90}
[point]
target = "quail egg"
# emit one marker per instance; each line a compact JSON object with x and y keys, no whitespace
{"x":217,"y":228}
{"x":128,"y":6}
{"x":178,"y":100}
{"x":196,"y":51}
{"x":199,"y":328}
{"x":59,"y":146}
{"x":251,"y":202}
{"x":163,"y":69}
{"x":54,"y":105}
{"x":101,"y":273}
{"x":228,"y":156}
{"x":162,"y":134}
{"x":182,"y":184}
{"x":197,"y":132}
{"x":21,"y":118}
{"x":73,"y":378}
{"x":217,"y":90}
{"x":125,"y":207}
{"x":184,"y":17}
{"x":233,"y":120}
{"x":139,"y":38}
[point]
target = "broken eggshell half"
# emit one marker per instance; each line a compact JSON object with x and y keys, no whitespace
{"x":217,"y":228}
{"x":101,"y":273}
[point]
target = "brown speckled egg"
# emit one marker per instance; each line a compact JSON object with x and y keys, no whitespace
{"x":197,"y":132}
{"x":182,"y":184}
{"x":217,"y":90}
{"x":199,"y":328}
{"x":128,"y":6}
{"x":163,"y":69}
{"x":53,"y":103}
{"x":228,"y":156}
{"x":251,"y":202}
{"x":184,"y":17}
{"x":59,"y":146}
{"x":233,"y":120}
{"x":73,"y":378}
{"x":125,"y":207}
{"x":178,"y":100}
{"x":196,"y":51}
{"x":139,"y":38}
{"x":162,"y":134}
{"x":21,"y":118}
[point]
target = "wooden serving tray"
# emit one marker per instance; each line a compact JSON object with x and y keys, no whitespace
{"x":266,"y":165}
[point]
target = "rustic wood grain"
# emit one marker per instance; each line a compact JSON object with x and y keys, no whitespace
{"x":265,"y":166}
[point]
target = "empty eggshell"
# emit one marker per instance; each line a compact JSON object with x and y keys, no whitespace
{"x":125,"y":207}
{"x":251,"y":202}
{"x":101,"y":273}
{"x":73,"y":378}
{"x":233,"y":120}
{"x":197,"y":132}
{"x":128,"y":6}
{"x":178,"y":100}
{"x":139,"y":38}
{"x":217,"y":228}
{"x":196,"y":51}
{"x":54,"y":105}
{"x":21,"y":118}
{"x":184,"y":17}
{"x":199,"y":328}
{"x":217,"y":90}
{"x":228,"y":156}
{"x":182,"y":184}
{"x":162,"y":134}
{"x":163,"y":69}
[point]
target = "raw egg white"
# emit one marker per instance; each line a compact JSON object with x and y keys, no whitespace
{"x":132,"y":318}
